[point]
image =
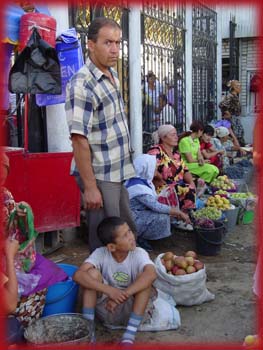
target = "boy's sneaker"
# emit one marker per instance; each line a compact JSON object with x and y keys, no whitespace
{"x":92,"y":332}
{"x":125,"y":342}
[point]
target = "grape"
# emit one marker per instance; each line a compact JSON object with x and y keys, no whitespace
{"x":204,"y":223}
{"x":211,"y":213}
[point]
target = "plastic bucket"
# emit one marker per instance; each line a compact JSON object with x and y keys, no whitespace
{"x":231,"y":216}
{"x":209,"y":240}
{"x":59,"y":329}
{"x":62,"y":296}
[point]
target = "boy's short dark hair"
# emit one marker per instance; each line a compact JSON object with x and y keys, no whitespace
{"x":209,"y":130}
{"x":106,"y":230}
{"x":99,"y":23}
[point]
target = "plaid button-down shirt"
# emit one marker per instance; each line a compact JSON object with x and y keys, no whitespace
{"x":95,"y":109}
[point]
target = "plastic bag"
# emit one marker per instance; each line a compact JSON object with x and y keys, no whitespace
{"x":168,"y":196}
{"x":165,"y":315}
{"x":187,"y":289}
{"x":26,"y":282}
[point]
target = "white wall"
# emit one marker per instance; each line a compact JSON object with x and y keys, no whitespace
{"x":246,"y":18}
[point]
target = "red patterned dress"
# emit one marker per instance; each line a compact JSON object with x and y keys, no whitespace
{"x":173,"y":171}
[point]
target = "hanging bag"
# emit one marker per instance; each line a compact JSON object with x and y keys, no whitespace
{"x":36,"y":69}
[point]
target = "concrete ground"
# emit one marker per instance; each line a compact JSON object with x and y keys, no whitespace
{"x":228,"y":318}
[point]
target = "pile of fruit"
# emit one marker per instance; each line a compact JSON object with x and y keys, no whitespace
{"x":242,"y":195}
{"x":222,"y":193}
{"x":211,"y":213}
{"x":218,"y":202}
{"x":222,"y":182}
{"x":204,"y":223}
{"x":181,"y":265}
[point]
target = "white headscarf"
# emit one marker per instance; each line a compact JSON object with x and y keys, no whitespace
{"x":144,"y":165}
{"x":222,"y":131}
{"x":162,"y":131}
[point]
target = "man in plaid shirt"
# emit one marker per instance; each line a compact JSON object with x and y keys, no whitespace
{"x":99,"y":131}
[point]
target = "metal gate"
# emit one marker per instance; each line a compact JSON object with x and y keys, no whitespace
{"x":163,"y":67}
{"x":80,"y":15}
{"x":204,"y":63}
{"x":233,"y":51}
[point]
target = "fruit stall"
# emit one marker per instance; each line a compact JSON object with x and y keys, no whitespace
{"x":220,"y":211}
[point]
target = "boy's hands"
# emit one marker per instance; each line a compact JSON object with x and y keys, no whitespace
{"x":111,"y":305}
{"x":118,"y":295}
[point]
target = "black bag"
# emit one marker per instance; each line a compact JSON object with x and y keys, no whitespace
{"x":36,"y":69}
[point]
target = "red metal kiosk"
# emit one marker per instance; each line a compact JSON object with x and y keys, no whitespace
{"x":42,"y":179}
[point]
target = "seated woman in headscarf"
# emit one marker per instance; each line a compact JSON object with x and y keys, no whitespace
{"x":172,"y":172}
{"x":151,"y":217}
{"x":34,"y":272}
{"x":227,"y":141}
{"x":189,"y":147}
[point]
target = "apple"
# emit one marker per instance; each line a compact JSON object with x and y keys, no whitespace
{"x":251,"y":340}
{"x":174,"y":269}
{"x":191,"y":253}
{"x":190,"y":269}
{"x":190,"y":260}
{"x":169,"y":265}
{"x":181,"y":262}
{"x":180,"y":272}
{"x":168,"y":256}
{"x":198,"y":265}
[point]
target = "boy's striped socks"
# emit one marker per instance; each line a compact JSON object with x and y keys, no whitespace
{"x":133,"y":324}
{"x":89,"y":314}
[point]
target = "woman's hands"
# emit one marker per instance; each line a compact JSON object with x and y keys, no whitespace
{"x":180,"y":215}
{"x":21,"y":211}
{"x":201,"y":161}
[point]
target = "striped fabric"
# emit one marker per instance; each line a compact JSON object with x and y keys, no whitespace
{"x":95,"y":109}
{"x":133,"y":324}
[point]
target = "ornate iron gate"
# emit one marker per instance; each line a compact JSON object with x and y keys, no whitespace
{"x":204,"y":63}
{"x":163,"y":67}
{"x":80,"y":16}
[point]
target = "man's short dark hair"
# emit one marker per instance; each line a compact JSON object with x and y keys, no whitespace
{"x":99,"y":23}
{"x":163,"y":97}
{"x":107,"y":228}
{"x":209,"y":130}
